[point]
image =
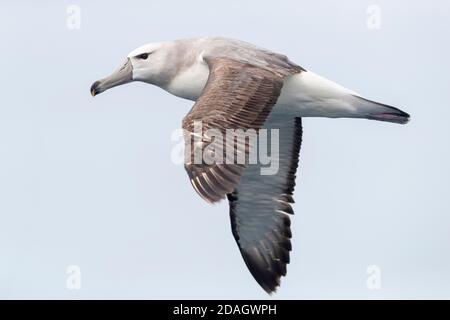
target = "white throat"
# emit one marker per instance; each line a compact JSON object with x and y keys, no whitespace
{"x":189,"y":82}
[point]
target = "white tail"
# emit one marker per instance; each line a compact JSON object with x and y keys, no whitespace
{"x":310,"y":95}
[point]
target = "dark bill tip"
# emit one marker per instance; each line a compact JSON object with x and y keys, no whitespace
{"x":122,"y":75}
{"x":94,"y":88}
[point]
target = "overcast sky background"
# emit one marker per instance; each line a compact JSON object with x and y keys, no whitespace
{"x":89,"y":181}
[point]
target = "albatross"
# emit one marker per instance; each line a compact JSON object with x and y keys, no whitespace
{"x":237,"y":85}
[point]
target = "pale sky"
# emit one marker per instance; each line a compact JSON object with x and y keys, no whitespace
{"x":89,"y":181}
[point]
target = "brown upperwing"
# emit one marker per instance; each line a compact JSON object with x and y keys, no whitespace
{"x":237,"y":96}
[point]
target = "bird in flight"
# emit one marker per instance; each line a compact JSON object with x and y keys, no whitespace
{"x":239,"y":86}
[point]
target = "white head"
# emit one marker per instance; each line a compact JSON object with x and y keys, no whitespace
{"x":154,"y":63}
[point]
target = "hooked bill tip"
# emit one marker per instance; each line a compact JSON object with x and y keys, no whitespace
{"x":94,"y":87}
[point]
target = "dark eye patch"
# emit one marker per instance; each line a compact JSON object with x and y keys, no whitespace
{"x":142,"y":56}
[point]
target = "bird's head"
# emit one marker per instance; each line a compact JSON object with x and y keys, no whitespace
{"x":148,"y":63}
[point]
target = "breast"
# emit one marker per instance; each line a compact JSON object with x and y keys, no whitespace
{"x":189,"y":82}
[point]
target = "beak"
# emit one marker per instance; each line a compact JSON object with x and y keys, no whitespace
{"x":121,"y":76}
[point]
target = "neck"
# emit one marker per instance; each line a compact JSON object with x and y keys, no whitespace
{"x":189,"y":82}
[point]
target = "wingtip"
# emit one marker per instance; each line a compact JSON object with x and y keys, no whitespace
{"x":271,"y":290}
{"x":263,"y":271}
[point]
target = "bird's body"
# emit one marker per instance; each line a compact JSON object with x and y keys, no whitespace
{"x":304,"y":94}
{"x":236,"y":85}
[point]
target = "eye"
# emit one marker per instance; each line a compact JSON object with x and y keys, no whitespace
{"x":142,"y":56}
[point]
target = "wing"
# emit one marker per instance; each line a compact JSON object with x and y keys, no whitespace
{"x":237,"y":95}
{"x":260,"y":209}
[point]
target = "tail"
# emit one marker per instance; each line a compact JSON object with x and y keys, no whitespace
{"x":377,"y":111}
{"x":315,"y":96}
